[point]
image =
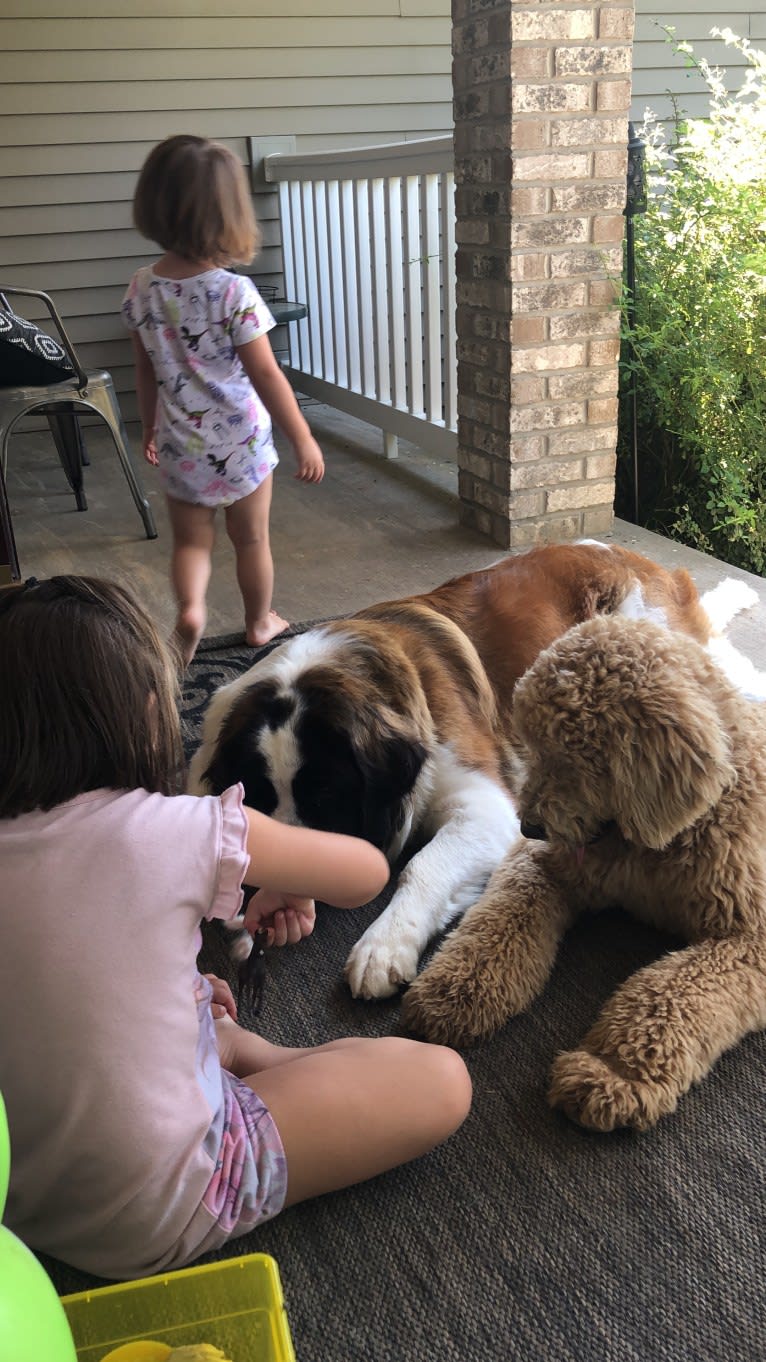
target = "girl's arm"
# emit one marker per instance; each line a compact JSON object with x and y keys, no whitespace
{"x":146,"y":390}
{"x":343,"y":871}
{"x":260,"y":365}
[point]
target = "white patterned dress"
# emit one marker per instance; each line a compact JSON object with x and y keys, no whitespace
{"x":213,"y":432}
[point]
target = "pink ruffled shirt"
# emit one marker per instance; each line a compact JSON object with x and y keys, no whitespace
{"x":132,"y":1150}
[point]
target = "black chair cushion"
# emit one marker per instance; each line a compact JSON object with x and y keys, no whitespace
{"x":29,"y":357}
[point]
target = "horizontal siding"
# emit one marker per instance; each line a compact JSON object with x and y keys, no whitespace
{"x":29,"y":106}
{"x":40,"y":162}
{"x":190,"y":9}
{"x":241,"y":122}
{"x":84,"y":98}
{"x":130,"y":33}
{"x":660,"y":73}
{"x":34,"y":69}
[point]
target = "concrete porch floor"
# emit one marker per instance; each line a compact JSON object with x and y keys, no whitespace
{"x":373,"y":530}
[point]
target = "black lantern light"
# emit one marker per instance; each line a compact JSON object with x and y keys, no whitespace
{"x":636,"y":174}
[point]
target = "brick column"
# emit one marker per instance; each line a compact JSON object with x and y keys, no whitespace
{"x":541,"y":98}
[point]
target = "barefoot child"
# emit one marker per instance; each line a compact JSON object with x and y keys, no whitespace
{"x":207,"y":379}
{"x":147,"y":1127}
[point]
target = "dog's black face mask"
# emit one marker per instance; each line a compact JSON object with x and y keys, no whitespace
{"x":328,"y":787}
{"x":339,"y":788}
{"x":335,"y":786}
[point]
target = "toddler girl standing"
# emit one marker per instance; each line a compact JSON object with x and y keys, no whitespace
{"x":207,"y":379}
{"x":145,"y":1131}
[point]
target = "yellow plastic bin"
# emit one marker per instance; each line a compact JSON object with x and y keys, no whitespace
{"x":236,"y":1305}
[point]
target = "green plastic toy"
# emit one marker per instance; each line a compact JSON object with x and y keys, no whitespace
{"x":33,"y":1325}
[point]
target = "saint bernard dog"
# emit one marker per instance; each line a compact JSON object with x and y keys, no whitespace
{"x":393,"y":725}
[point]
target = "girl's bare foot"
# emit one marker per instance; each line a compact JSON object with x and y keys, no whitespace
{"x":258,"y":634}
{"x":188,"y":631}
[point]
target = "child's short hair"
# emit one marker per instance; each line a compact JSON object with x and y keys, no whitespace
{"x":192,"y":197}
{"x":88,"y":695}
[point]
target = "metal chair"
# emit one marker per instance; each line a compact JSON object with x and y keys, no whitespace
{"x":60,"y":403}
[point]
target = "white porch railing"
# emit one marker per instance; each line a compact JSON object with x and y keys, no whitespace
{"x":368,"y":237}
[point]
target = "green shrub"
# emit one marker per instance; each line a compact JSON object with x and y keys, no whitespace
{"x":696,"y":353}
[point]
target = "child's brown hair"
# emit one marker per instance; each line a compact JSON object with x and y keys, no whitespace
{"x":88,"y":695}
{"x":192,"y":197}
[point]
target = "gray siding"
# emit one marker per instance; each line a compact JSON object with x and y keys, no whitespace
{"x":659,"y":72}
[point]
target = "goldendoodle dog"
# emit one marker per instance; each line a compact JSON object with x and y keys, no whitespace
{"x":642,"y":784}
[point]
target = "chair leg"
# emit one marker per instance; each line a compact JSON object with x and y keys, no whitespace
{"x":65,"y":429}
{"x":9,"y":558}
{"x":105,"y":399}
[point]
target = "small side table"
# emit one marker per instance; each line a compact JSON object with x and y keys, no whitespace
{"x":285,"y":311}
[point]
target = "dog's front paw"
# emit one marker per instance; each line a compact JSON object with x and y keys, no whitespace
{"x":378,"y":967}
{"x":450,"y":1002}
{"x":593,"y":1092}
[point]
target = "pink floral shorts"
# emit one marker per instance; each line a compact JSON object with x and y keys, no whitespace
{"x":249,"y":1184}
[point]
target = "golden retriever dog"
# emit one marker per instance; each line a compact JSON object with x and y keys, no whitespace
{"x":642,"y":784}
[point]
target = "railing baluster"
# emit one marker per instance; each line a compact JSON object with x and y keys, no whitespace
{"x":365,"y":286}
{"x":396,"y":289}
{"x":380,"y":291}
{"x":351,"y":287}
{"x":414,"y":294}
{"x":432,"y":318}
{"x":337,"y":283}
{"x":449,"y":331}
{"x":312,"y":289}
{"x":323,"y":280}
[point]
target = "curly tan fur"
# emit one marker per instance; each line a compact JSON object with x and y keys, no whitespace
{"x":644,"y":772}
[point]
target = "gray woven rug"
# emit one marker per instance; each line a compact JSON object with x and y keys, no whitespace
{"x":522,"y":1238}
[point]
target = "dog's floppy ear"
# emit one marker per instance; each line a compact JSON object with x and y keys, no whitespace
{"x":388,"y":773}
{"x":669,"y":761}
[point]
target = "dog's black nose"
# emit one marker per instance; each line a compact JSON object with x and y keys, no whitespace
{"x":533,"y":831}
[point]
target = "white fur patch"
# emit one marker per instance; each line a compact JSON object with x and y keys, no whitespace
{"x":721,"y":604}
{"x":286,"y":663}
{"x":738,"y":669}
{"x":283,"y":756}
{"x":471,"y":823}
{"x":634,"y":607}
{"x":726,"y":600}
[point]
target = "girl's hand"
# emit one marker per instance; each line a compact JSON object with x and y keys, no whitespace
{"x":310,"y":460}
{"x":286,"y":917}
{"x":222,"y":1001}
{"x":150,"y":448}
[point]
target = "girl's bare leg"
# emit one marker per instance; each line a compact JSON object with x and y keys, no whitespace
{"x":247,"y":525}
{"x":193,"y":529}
{"x":244,"y":1053}
{"x":354,"y":1108}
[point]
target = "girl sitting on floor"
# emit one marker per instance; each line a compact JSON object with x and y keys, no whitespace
{"x":145,"y":1132}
